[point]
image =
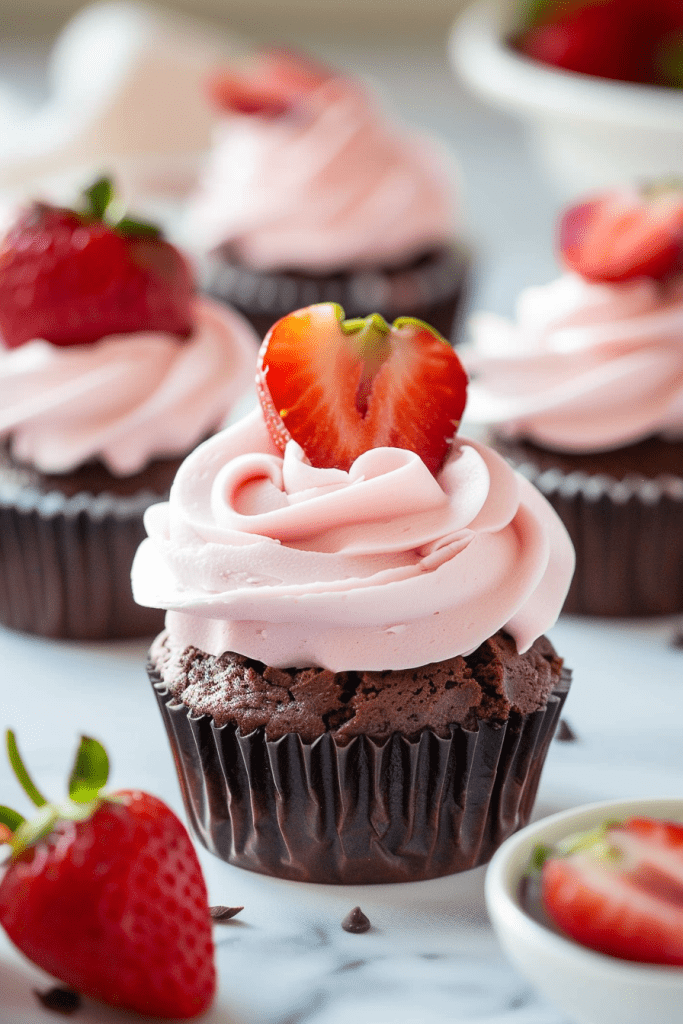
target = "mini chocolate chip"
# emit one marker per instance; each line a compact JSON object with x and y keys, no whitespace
{"x":356,"y":921}
{"x":565,"y":733}
{"x":677,"y":640}
{"x":221,"y":914}
{"x":60,"y":1000}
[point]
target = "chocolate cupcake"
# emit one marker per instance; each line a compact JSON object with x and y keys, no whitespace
{"x":110,"y":373}
{"x":584,"y":395}
{"x":353,"y":676}
{"x":311,"y":194}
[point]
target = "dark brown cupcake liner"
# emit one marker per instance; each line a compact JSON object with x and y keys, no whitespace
{"x":368,"y":812}
{"x":65,"y":564}
{"x":628,"y":537}
{"x":433,"y":289}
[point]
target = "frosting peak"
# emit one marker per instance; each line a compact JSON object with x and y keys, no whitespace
{"x":380,"y":567}
{"x":329,"y":185}
{"x":585,"y":367}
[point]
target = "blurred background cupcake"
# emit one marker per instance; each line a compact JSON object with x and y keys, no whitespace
{"x":111,"y":370}
{"x":313,"y":193}
{"x":584,"y":394}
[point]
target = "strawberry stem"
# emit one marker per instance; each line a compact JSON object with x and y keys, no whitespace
{"x":90,"y":771}
{"x":98,"y":203}
{"x":9,"y":820}
{"x":98,"y":197}
{"x":19,"y":769}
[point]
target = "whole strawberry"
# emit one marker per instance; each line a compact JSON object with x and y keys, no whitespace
{"x":341,"y":387}
{"x":71,"y":277}
{"x":105,"y":892}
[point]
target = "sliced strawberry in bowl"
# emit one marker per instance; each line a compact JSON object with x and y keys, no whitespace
{"x":619,"y":890}
{"x":341,"y":387}
{"x":620,"y":235}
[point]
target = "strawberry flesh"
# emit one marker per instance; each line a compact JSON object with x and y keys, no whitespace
{"x":622,"y":895}
{"x":340,"y":388}
{"x":70,"y":279}
{"x":618,"y":236}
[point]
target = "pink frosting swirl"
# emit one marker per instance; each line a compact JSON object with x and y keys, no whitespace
{"x":328,"y":186}
{"x":126,"y":399}
{"x":586,"y":367}
{"x":383,"y":567}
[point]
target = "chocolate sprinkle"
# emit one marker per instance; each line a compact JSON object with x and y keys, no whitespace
{"x":220,"y":914}
{"x":59,"y":1000}
{"x":565,"y":733}
{"x":356,"y":922}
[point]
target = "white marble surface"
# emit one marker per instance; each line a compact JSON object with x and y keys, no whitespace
{"x":431,"y":955}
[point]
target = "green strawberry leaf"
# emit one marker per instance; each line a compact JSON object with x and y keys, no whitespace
{"x":98,"y":197}
{"x":131,"y":228}
{"x":670,"y":60}
{"x":19,"y":769}
{"x":10,"y":819}
{"x":539,"y":855}
{"x":90,"y":771}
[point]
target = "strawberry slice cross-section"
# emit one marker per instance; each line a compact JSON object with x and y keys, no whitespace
{"x":341,"y":387}
{"x":619,"y":890}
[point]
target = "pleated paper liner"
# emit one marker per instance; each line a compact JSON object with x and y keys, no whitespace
{"x":434,"y":288}
{"x":368,"y":812}
{"x":65,"y":564}
{"x":628,"y":537}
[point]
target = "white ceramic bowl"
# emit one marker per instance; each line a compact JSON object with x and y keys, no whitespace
{"x":589,"y":987}
{"x":589,"y":132}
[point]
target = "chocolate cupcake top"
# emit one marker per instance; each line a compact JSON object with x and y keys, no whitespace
{"x":488,"y":684}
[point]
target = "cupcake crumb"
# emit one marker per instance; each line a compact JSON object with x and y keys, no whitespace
{"x":219,"y":914}
{"x":59,"y":1000}
{"x":565,"y":733}
{"x":356,"y":922}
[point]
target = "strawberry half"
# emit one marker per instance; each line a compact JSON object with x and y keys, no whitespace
{"x":278,"y":80}
{"x":72,"y":277}
{"x":618,"y":236}
{"x":105,"y":892}
{"x":619,"y":890}
{"x":340,"y":387}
